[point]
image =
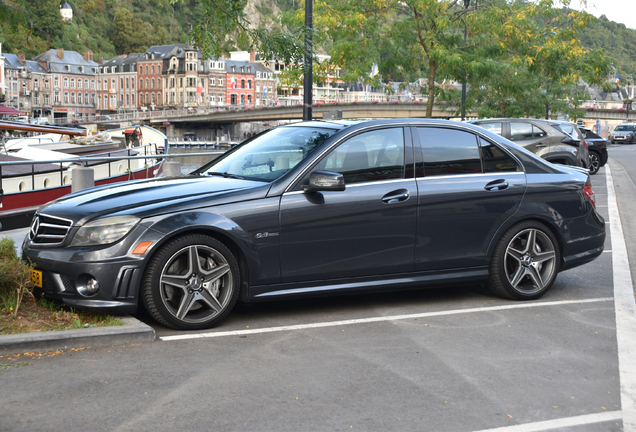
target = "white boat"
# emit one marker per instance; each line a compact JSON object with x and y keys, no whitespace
{"x":38,"y":169}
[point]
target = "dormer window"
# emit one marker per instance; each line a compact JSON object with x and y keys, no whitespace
{"x":68,"y":67}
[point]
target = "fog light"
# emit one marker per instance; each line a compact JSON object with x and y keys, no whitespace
{"x":92,"y":285}
{"x":87,"y":285}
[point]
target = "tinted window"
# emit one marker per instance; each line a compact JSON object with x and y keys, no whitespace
{"x":370,"y":156}
{"x":448,"y":152}
{"x":495,"y":159}
{"x":525,"y":131}
{"x":492,"y":127}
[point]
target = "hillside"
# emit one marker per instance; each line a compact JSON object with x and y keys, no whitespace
{"x":111,"y":27}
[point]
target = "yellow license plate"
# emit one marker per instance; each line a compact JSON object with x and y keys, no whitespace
{"x":36,"y":278}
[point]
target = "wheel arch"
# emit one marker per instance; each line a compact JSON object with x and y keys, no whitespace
{"x":547,"y":222}
{"x":238,"y":244}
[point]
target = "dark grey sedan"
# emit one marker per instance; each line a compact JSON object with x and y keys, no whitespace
{"x":321,"y":208}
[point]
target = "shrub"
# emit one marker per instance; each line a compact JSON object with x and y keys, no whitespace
{"x":15,"y":276}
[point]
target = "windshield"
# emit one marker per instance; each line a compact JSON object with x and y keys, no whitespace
{"x":269,"y":155}
{"x":624,"y":128}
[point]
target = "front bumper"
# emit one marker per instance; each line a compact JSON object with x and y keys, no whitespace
{"x":66,"y":270}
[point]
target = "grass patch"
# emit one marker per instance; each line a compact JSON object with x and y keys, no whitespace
{"x":21,"y":312}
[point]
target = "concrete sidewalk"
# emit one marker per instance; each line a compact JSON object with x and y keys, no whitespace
{"x":132,"y":329}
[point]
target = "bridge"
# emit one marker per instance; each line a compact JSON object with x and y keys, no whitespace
{"x":176,"y":122}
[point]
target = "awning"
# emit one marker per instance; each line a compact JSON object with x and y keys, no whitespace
{"x":8,"y":111}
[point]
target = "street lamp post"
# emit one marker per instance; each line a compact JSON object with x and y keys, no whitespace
{"x":466,"y":5}
{"x":308,"y":80}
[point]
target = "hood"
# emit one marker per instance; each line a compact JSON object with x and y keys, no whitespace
{"x":146,"y":198}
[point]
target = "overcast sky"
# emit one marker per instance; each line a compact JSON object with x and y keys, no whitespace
{"x":621,"y":11}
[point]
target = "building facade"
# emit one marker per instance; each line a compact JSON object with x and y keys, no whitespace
{"x":72,"y":81}
{"x":117,"y":84}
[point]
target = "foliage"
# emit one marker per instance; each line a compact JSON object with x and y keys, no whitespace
{"x":15,"y":277}
{"x":223,"y":20}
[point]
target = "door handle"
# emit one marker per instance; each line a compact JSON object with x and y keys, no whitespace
{"x":540,"y":145}
{"x":496,"y":185}
{"x":396,"y":196}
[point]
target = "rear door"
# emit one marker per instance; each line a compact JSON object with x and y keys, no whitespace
{"x":467,"y":189}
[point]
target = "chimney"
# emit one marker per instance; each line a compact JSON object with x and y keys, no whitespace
{"x":252,"y":56}
{"x":22,"y":59}
{"x":88,"y":55}
{"x":101,"y":60}
{"x":60,"y":53}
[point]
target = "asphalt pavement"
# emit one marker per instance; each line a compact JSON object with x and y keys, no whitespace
{"x":457,"y":359}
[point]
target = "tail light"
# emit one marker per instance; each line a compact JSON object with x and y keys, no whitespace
{"x":571,"y":141}
{"x":589,"y":193}
{"x":585,"y":144}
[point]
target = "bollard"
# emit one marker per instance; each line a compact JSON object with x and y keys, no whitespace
{"x":171,"y":169}
{"x":82,"y":178}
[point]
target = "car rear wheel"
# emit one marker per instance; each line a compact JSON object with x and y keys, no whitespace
{"x":525,"y":262}
{"x":595,"y":162}
{"x":191,"y":283}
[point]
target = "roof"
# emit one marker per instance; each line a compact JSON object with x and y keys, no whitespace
{"x":238,"y":65}
{"x":11,"y":62}
{"x":71,"y":63}
{"x":66,"y":6}
{"x":167,"y":51}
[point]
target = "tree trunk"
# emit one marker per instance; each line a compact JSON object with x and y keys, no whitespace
{"x":432,"y":68}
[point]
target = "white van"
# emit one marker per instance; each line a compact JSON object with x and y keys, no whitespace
{"x":40,"y":120}
{"x":23,"y":119}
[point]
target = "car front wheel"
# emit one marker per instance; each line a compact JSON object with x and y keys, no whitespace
{"x":525,"y":262}
{"x":191,"y":283}
{"x":595,"y":163}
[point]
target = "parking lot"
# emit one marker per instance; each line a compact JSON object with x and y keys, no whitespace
{"x":455,"y":359}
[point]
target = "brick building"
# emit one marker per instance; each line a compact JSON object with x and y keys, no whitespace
{"x":117,"y":84}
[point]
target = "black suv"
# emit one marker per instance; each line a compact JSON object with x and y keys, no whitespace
{"x":542,"y":137}
{"x":597,"y":146}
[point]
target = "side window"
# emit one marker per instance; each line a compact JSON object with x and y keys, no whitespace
{"x":449,"y":152}
{"x":495,"y":159}
{"x":370,"y":156}
{"x":492,"y":127}
{"x":520,"y":131}
{"x":537,"y":132}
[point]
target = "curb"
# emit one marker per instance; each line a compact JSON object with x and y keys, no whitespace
{"x":132,"y":330}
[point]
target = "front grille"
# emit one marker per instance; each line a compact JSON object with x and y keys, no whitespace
{"x":49,"y":230}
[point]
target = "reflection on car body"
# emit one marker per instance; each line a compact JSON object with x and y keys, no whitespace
{"x":319,"y":208}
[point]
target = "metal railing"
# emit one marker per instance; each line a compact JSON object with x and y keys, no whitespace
{"x":84,"y":160}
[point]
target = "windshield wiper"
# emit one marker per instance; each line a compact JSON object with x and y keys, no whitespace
{"x":225,"y":174}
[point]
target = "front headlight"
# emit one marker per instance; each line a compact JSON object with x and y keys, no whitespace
{"x":104,"y":231}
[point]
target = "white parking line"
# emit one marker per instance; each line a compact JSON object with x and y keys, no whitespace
{"x":557,"y":423}
{"x":625,"y":305}
{"x":380,"y":319}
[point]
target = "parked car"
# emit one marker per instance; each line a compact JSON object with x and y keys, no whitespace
{"x":540,"y":137}
{"x":40,"y":120}
{"x":598,"y":149}
{"x":624,"y":133}
{"x":23,"y":119}
{"x":320,"y":208}
{"x":572,"y":129}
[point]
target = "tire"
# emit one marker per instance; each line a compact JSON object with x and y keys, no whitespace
{"x":191,"y":283}
{"x":595,"y":162}
{"x":525,"y":262}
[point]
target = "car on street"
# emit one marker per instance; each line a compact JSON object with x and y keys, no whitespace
{"x":541,"y":137}
{"x":597,"y":147}
{"x":572,"y":129}
{"x":624,"y":133}
{"x":320,"y":208}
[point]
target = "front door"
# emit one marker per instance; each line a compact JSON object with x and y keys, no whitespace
{"x":367,"y":229}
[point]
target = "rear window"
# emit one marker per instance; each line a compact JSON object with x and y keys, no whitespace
{"x":525,"y":131}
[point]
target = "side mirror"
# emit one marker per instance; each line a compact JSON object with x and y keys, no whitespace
{"x":325,"y":181}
